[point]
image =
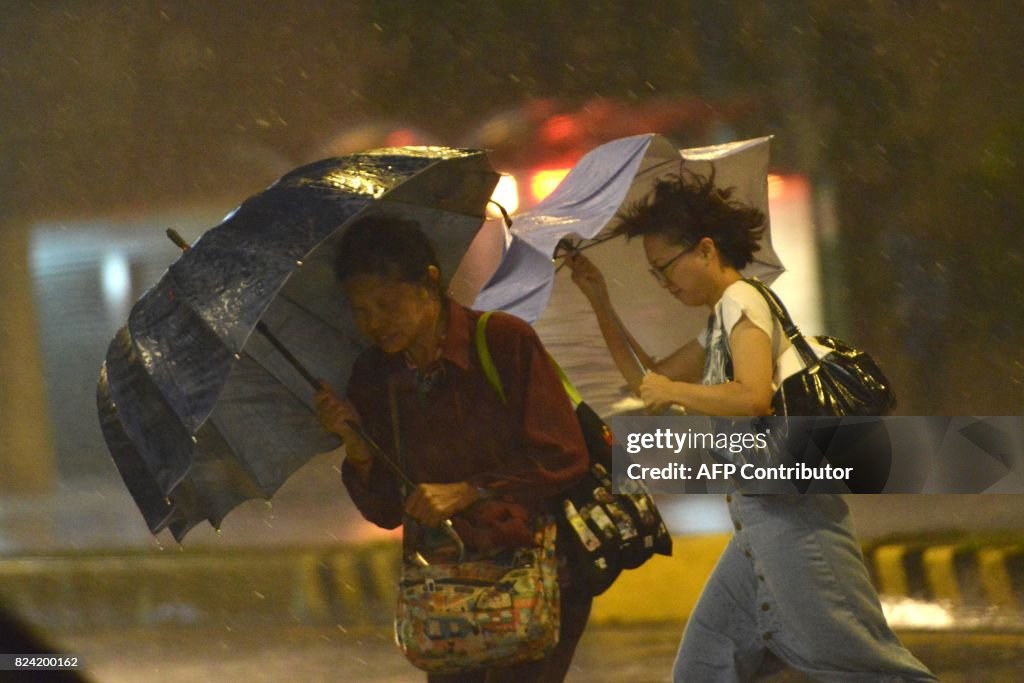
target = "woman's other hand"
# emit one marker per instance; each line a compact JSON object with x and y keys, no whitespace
{"x":657,"y":392}
{"x":431,"y":504}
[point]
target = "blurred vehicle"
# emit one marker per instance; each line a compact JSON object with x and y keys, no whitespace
{"x":538,"y":142}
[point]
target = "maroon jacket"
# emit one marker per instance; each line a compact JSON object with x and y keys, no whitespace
{"x":528,"y":451}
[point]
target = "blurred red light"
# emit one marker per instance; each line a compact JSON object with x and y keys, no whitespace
{"x":544,"y":182}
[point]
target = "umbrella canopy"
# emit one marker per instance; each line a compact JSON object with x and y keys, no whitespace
{"x":199,"y":409}
{"x":583,"y":208}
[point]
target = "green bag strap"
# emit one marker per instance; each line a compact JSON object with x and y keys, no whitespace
{"x":491,"y":371}
{"x":484,"y":354}
{"x":570,"y":390}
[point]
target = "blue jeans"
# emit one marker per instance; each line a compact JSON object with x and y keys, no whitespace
{"x":791,"y":587}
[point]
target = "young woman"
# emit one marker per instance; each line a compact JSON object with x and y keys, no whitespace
{"x":489,"y":466}
{"x":791,"y":585}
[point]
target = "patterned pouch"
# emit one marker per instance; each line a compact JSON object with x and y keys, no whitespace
{"x":469,"y":615}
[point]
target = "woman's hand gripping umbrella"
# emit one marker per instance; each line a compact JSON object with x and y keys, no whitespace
{"x":432,"y":504}
{"x":633,"y":362}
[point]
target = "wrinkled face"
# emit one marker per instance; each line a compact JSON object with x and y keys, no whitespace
{"x":390,"y":313}
{"x":683,"y":271}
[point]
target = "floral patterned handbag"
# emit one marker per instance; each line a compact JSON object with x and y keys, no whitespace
{"x":469,"y":615}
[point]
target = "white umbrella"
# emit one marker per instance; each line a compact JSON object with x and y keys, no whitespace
{"x":583,"y":209}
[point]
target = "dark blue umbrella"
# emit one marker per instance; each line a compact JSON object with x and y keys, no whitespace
{"x":205,"y":398}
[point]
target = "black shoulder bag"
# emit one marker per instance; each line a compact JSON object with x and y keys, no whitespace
{"x":845,"y":381}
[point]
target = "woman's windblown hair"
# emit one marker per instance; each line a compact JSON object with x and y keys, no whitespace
{"x":684,"y":210}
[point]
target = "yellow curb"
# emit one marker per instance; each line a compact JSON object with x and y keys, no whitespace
{"x":312,"y":597}
{"x":358,"y":584}
{"x":383,"y":562}
{"x":892,"y":576}
{"x":664,"y":588}
{"x":346,"y":584}
{"x":940,"y":572}
{"x":995,"y":577}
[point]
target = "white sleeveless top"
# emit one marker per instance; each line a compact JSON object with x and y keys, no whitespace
{"x":742,"y":299}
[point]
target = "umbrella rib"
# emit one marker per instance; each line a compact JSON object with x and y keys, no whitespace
{"x":312,"y":313}
{"x":243,"y":463}
{"x":262,"y":328}
{"x":406,"y":202}
{"x":579,"y":246}
{"x":295,"y":365}
{"x":596,"y":241}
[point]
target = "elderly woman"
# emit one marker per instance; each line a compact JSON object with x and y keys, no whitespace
{"x":419,"y":393}
{"x":791,"y":585}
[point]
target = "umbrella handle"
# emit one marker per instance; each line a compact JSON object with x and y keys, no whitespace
{"x":449,"y":529}
{"x":446,"y":526}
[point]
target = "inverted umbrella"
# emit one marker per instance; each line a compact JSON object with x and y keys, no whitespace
{"x":582,"y":210}
{"x":200,"y":398}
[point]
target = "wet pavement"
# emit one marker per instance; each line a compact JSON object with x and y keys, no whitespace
{"x":608,"y":654}
{"x":311,"y":511}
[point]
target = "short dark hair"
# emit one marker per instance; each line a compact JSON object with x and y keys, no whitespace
{"x":684,"y":210}
{"x":386,"y":246}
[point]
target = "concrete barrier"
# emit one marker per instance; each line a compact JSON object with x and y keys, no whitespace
{"x":959,"y":572}
{"x":354,"y":586}
{"x":172,"y":588}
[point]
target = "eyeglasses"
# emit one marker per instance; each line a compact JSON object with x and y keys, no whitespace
{"x":660,"y":273}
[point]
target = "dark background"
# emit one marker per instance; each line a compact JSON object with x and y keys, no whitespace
{"x":906,"y":116}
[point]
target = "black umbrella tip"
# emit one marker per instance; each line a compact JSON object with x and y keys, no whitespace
{"x":176,"y":237}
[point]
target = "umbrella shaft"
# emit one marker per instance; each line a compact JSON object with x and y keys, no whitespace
{"x":633,"y":353}
{"x":288,"y":355}
{"x":379,"y":453}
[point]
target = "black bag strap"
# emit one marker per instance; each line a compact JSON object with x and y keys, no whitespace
{"x":396,"y":435}
{"x":396,"y":431}
{"x":789,"y":328}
